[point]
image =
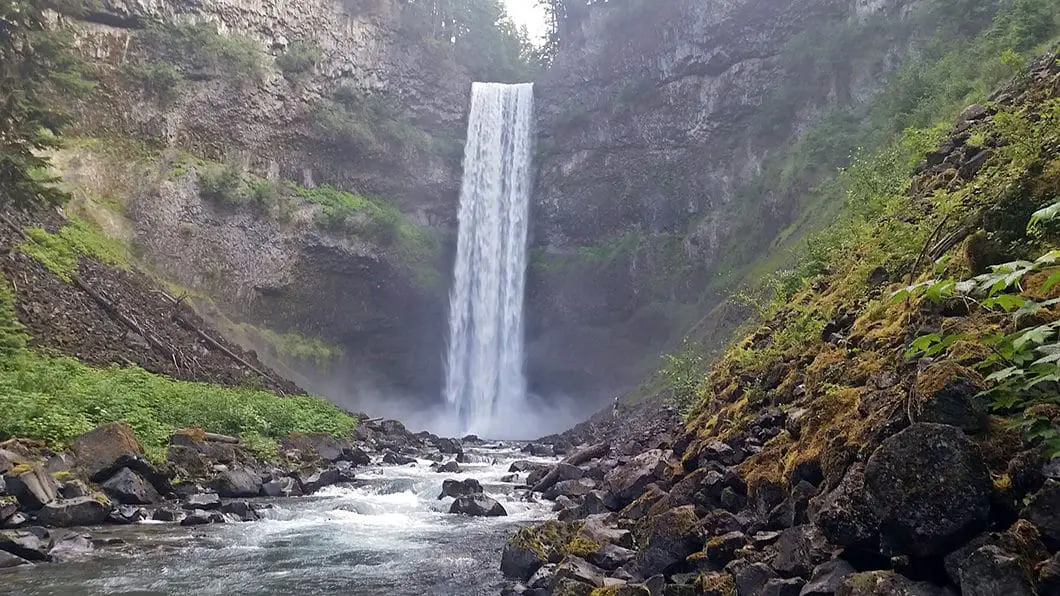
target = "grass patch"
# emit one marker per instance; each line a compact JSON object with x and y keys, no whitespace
{"x":61,"y":251}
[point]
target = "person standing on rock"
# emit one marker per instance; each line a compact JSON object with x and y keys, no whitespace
{"x":614,"y":408}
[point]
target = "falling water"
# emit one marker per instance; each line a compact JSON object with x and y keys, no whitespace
{"x":485,"y":363}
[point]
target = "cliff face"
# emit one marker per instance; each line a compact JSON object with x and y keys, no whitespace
{"x":653,"y":120}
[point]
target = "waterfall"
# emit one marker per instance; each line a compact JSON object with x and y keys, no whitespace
{"x":484,"y":369}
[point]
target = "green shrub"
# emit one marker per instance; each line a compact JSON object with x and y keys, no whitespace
{"x":222,"y":183}
{"x":299,"y":59}
{"x":12,"y":334}
{"x":160,"y":80}
{"x":684,"y":373}
{"x":61,"y":251}
{"x":266,"y":194}
{"x":369,"y":124}
{"x":56,"y":399}
{"x":202,"y":50}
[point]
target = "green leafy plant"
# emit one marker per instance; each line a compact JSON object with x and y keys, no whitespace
{"x":61,"y":251}
{"x":299,"y":59}
{"x":932,"y":344}
{"x":222,"y":183}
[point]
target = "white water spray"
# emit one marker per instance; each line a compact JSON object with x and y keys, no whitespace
{"x":484,"y":373}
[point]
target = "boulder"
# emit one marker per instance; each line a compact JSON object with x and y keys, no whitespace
{"x":127,"y":514}
{"x":625,"y":483}
{"x":449,"y":468}
{"x":990,"y":571}
{"x":99,"y":450}
{"x":74,"y":489}
{"x":1021,"y":539}
{"x":569,"y":488}
{"x":281,"y":487}
{"x":800,"y":550}
{"x":204,"y":501}
{"x":783,"y":587}
{"x":844,"y":516}
{"x":166,"y":514}
{"x":15,"y":521}
{"x":70,"y":547}
{"x":82,"y":511}
{"x":611,"y":557}
{"x":948,"y":394}
{"x":32,"y":546}
{"x":532,"y":547}
{"x":128,"y":488}
{"x":526,"y":466}
{"x":510,"y":478}
{"x":576,"y":569}
{"x":327,"y":448}
{"x":240,"y":510}
{"x":449,"y":446}
{"x":8,"y":560}
{"x":884,"y":583}
{"x":722,"y":549}
{"x":597,"y":532}
{"x":33,"y":487}
{"x":669,"y":538}
{"x":478,"y":506}
{"x":930,"y":489}
{"x":238,"y":483}
{"x":591,"y":504}
{"x":1043,"y":510}
{"x":395,"y":459}
{"x":826,"y":577}
{"x":199,"y":517}
{"x":539,"y":450}
{"x":751,"y":579}
{"x":8,"y":507}
{"x":460,"y":488}
{"x":1049,"y":576}
{"x":311,"y":482}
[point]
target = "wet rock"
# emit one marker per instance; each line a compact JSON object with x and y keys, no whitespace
{"x":883,"y":583}
{"x":844,"y":515}
{"x":670,"y":538}
{"x":311,"y":482}
{"x":929,"y":488}
{"x":8,"y":560}
{"x":17,"y":520}
{"x":238,"y":483}
{"x":8,"y":507}
{"x":478,"y":506}
{"x":98,"y":451}
{"x":128,"y":488}
{"x":826,"y":577}
{"x":626,"y":483}
{"x":70,"y":547}
{"x":395,"y":459}
{"x":165,"y":514}
{"x":539,"y":450}
{"x":722,"y":549}
{"x":460,"y":488}
{"x":701,"y":487}
{"x":240,"y":510}
{"x":32,"y":487}
{"x":127,"y":514}
{"x":611,"y":557}
{"x":752,"y":579}
{"x":282,"y":487}
{"x":510,"y":478}
{"x":783,"y":587}
{"x":32,"y":546}
{"x":989,"y":571}
{"x":449,"y":468}
{"x":946,"y":394}
{"x":204,"y":501}
{"x":526,"y":466}
{"x":450,"y":446}
{"x":1052,"y":469}
{"x":199,"y":517}
{"x":1043,"y":510}
{"x":82,"y":511}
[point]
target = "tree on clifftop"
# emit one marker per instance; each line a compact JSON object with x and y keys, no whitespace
{"x":35,"y":71}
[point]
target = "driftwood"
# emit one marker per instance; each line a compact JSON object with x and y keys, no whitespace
{"x":578,"y":457}
{"x":216,"y":438}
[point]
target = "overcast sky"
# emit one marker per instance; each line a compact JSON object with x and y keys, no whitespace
{"x":526,"y":12}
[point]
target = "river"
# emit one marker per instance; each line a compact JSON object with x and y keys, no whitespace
{"x":386,"y":535}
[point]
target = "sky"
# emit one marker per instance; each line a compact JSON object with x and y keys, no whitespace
{"x":526,"y":12}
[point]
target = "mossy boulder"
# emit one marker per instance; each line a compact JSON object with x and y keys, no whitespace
{"x":531,"y":547}
{"x":668,"y":539}
{"x":883,"y":583}
{"x":947,"y":393}
{"x":100,"y":450}
{"x":718,"y":583}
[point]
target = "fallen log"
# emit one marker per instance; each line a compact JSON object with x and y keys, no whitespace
{"x":216,"y":438}
{"x":587,"y":454}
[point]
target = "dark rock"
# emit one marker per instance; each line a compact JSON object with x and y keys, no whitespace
{"x":783,"y":587}
{"x":1052,"y":469}
{"x":989,"y":571}
{"x":734,"y":502}
{"x":199,"y":517}
{"x":282,"y":487}
{"x":311,"y":482}
{"x":535,"y":476}
{"x":883,"y":583}
{"x":395,"y":459}
{"x":768,"y":496}
{"x":128,"y":488}
{"x":639,"y":508}
{"x":238,"y":483}
{"x":471,"y":439}
{"x":971,"y":167}
{"x":8,"y":560}
{"x":204,"y":501}
{"x":74,"y":489}
{"x":8,"y":507}
{"x":670,"y":538}
{"x":127,"y":514}
{"x":722,"y":549}
{"x":70,"y":547}
{"x":625,"y":483}
{"x":611,"y":557}
{"x":449,"y":468}
{"x":793,"y":510}
{"x":510,"y":478}
{"x":15,"y":521}
{"x":722,"y":453}
{"x":63,"y":462}
{"x":800,"y":550}
{"x":576,"y":569}
{"x":598,"y":532}
{"x":82,"y":511}
{"x":1021,"y":539}
{"x":28,"y":545}
{"x":33,"y":488}
{"x":752,"y":579}
{"x":539,"y":450}
{"x":98,"y":451}
{"x":569,"y":488}
{"x":526,"y":466}
{"x":945,"y":395}
{"x":844,"y":515}
{"x":720,"y":521}
{"x":702,"y":487}
{"x":592,"y":504}
{"x":166,"y":514}
{"x":930,"y":489}
{"x":478,"y":506}
{"x":460,"y":488}
{"x":1043,"y":510}
{"x":1049,"y":576}
{"x":450,"y":446}
{"x":240,"y":510}
{"x":826,"y":577}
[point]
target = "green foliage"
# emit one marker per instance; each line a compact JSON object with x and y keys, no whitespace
{"x":12,"y":334}
{"x":299,"y":59}
{"x":60,"y":252}
{"x":684,"y":374}
{"x":38,"y":74}
{"x":200,"y":50}
{"x":56,"y":399}
{"x":369,"y":125}
{"x":160,"y":80}
{"x":222,"y":183}
{"x":295,"y":347}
